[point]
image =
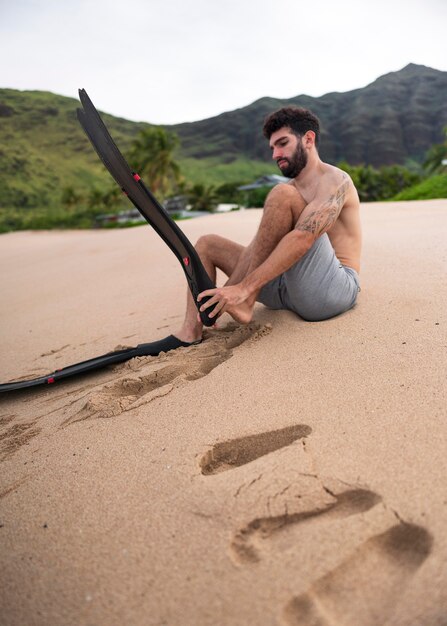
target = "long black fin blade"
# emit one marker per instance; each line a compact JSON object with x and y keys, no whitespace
{"x":122,"y":174}
{"x":197,"y":278}
{"x":98,"y":362}
{"x":144,"y":201}
{"x":149,"y":206}
{"x":90,"y":365}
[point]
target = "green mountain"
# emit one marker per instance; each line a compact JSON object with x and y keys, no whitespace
{"x":43,"y":150}
{"x":393,"y":120}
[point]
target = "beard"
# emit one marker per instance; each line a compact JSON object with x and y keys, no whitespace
{"x":295,"y":164}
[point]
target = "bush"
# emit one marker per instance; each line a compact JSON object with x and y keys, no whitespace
{"x":431,"y":188}
{"x":255,"y":198}
{"x":382,"y":184}
{"x":228,"y":193}
{"x":46,"y":218}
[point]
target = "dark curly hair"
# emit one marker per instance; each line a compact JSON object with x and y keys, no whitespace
{"x":297,"y":119}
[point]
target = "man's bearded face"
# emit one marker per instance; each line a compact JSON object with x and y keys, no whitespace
{"x":292,"y":166}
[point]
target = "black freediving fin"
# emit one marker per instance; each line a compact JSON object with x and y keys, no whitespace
{"x":111,"y":358}
{"x":142,"y":198}
{"x":158,"y":218}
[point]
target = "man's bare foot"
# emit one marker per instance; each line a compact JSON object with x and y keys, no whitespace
{"x":243,"y":312}
{"x":188,"y":333}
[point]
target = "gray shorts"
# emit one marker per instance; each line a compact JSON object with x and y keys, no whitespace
{"x":317,"y":287}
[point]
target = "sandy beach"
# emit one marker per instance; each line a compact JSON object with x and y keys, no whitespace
{"x":281,"y":473}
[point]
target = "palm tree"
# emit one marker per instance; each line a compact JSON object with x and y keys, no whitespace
{"x":152,"y":156}
{"x":202,"y":197}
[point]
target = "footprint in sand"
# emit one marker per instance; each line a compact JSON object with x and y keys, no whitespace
{"x":365,"y":588}
{"x":15,"y":436}
{"x":277,"y":533}
{"x":236,"y":452}
{"x":166,"y":372}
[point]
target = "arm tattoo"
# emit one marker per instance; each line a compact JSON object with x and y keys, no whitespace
{"x":321,"y":219}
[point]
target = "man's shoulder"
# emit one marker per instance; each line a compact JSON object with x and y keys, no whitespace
{"x":333,"y":182}
{"x":334,"y":174}
{"x":342,"y":185}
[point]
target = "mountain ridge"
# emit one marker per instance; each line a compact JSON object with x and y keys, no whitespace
{"x":404,"y":103}
{"x":394,"y":119}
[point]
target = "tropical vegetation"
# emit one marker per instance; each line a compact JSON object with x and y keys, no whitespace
{"x":152,"y":156}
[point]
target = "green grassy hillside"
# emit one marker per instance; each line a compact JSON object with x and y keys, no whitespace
{"x":43,"y":148}
{"x":211,"y":172}
{"x":433,"y":187}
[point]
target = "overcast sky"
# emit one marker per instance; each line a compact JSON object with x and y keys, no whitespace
{"x":168,"y":61}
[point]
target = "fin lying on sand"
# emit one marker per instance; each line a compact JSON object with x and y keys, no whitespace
{"x":111,"y":358}
{"x":140,"y":196}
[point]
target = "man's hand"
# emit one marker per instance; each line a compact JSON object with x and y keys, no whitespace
{"x":235,"y":300}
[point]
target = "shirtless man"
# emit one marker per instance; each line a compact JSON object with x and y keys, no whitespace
{"x":305,"y":256}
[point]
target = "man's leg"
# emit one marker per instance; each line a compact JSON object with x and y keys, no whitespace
{"x":281,"y":211}
{"x":214,"y":252}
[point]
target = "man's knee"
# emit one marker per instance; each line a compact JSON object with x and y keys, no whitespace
{"x":285,"y":198}
{"x":205,"y":242}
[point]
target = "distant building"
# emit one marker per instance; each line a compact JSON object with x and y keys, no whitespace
{"x":131,"y":216}
{"x":226,"y":207}
{"x":269,"y":180}
{"x":175,"y":204}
